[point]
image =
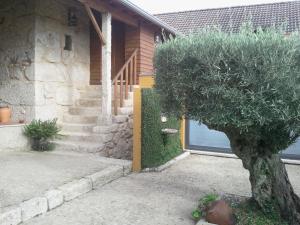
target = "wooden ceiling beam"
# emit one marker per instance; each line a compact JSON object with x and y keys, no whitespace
{"x":95,"y":23}
{"x":117,"y":14}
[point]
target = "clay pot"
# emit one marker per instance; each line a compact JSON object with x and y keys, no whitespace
{"x":219,"y":212}
{"x":5,"y":115}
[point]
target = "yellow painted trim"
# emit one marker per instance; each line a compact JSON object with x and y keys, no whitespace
{"x":146,"y":81}
{"x":182,"y":133}
{"x":137,"y":137}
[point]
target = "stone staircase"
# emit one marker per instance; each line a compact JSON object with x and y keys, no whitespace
{"x":80,"y":130}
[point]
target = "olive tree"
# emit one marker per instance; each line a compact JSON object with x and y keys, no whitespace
{"x":246,"y":85}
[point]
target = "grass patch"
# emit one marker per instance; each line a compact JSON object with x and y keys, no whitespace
{"x":248,"y":213}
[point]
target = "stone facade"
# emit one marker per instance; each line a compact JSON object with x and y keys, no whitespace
{"x":42,"y":76}
{"x":37,"y":75}
{"x":59,"y":73}
{"x":17,"y":57}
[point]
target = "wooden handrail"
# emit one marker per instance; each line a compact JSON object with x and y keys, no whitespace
{"x":125,"y":65}
{"x":125,"y":78}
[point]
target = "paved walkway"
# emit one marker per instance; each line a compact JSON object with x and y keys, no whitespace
{"x":25,"y":175}
{"x":165,"y":198}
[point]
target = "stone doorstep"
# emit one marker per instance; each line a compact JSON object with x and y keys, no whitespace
{"x":167,"y":164}
{"x":54,"y":198}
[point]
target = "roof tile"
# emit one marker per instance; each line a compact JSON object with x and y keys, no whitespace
{"x":231,"y":18}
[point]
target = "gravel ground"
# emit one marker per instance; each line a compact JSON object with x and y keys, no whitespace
{"x":165,"y":198}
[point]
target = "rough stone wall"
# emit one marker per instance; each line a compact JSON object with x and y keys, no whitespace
{"x":36,"y":74}
{"x":59,"y":74}
{"x":17,"y":57}
{"x":121,"y":144}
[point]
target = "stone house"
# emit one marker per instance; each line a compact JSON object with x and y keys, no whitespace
{"x":78,"y":61}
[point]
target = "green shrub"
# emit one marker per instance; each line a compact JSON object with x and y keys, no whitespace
{"x":198,"y":213}
{"x":40,"y":132}
{"x":157,"y":148}
{"x":208,"y":199}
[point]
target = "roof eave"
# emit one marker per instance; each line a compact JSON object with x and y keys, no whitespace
{"x":149,"y":17}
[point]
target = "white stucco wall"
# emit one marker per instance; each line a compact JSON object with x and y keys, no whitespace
{"x":17,"y":56}
{"x":59,"y":74}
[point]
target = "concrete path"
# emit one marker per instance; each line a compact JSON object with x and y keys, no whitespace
{"x":25,"y":175}
{"x":165,"y":198}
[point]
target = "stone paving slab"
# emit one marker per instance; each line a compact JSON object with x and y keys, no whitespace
{"x":96,"y":171}
{"x":25,"y":175}
{"x":202,"y":222}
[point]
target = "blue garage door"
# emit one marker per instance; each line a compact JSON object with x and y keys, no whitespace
{"x":199,"y":137}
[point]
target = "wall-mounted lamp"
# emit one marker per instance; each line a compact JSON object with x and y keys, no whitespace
{"x":163,"y":118}
{"x":72,"y":18}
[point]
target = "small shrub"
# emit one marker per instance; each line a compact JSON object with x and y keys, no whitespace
{"x":198,"y":213}
{"x":40,"y":132}
{"x":208,"y":199}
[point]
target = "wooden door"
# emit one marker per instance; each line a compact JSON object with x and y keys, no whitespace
{"x":117,"y":51}
{"x":95,"y":53}
{"x":118,"y":47}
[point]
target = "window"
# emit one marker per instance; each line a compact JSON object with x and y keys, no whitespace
{"x":68,"y":43}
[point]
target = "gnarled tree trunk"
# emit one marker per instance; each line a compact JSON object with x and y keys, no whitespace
{"x":269,"y":179}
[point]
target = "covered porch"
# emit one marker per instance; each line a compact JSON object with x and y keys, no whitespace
{"x":63,"y":46}
{"x":78,"y":61}
{"x":122,"y":46}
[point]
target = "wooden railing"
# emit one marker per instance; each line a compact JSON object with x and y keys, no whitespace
{"x":124,"y":81}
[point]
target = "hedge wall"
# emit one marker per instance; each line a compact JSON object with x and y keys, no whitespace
{"x":157,"y":148}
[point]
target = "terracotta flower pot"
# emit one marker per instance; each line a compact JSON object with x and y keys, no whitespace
{"x":5,"y":115}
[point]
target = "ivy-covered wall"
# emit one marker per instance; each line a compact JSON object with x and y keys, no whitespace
{"x":157,"y":148}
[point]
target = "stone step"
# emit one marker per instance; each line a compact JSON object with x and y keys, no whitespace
{"x":88,"y":102}
{"x":120,"y":119}
{"x":87,"y":137}
{"x":96,"y":88}
{"x":90,"y":94}
{"x":90,"y":111}
{"x":74,"y":127}
{"x":67,"y":118}
{"x":125,"y":110}
{"x":130,"y":95}
{"x":128,"y":102}
{"x":79,"y":146}
{"x":106,"y":129}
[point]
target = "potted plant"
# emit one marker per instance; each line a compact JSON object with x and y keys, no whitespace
{"x":41,"y":133}
{"x":5,"y":113}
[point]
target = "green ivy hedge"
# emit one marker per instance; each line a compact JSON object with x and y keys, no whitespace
{"x":157,"y":148}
